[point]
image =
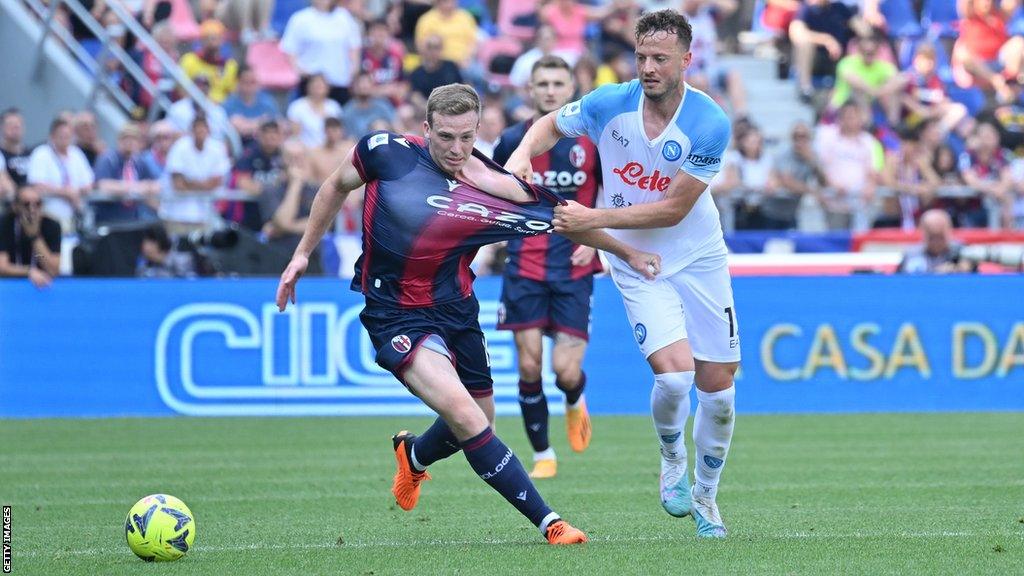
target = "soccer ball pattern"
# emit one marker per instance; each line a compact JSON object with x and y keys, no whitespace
{"x":160,"y":528}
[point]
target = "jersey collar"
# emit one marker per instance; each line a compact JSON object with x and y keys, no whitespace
{"x":640,"y":117}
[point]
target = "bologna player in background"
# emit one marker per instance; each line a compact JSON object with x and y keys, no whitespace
{"x":549,"y":280}
{"x":430,"y":203}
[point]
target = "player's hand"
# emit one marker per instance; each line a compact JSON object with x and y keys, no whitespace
{"x":38,"y":278}
{"x":583,"y":255}
{"x":520,"y":166}
{"x":646,"y":264}
{"x":574,"y":217}
{"x":289,"y":278}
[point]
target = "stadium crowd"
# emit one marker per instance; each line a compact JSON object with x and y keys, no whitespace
{"x":918,"y":104}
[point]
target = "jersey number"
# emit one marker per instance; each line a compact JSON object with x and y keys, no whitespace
{"x":732,"y":322}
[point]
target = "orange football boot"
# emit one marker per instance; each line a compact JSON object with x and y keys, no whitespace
{"x":577,"y":425}
{"x":406,"y":485}
{"x":561,"y":532}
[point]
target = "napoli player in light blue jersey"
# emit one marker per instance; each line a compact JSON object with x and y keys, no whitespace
{"x":661,"y":142}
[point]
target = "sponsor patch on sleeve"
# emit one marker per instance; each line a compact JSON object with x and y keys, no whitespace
{"x":571,"y":109}
{"x":377,"y":140}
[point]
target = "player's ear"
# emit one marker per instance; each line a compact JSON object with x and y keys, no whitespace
{"x":426,"y":129}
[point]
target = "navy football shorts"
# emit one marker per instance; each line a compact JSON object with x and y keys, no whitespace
{"x":557,"y":306}
{"x":452,"y":330}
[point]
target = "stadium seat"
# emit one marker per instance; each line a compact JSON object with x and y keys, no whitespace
{"x":940,"y":18}
{"x":899,"y":15}
{"x":283,"y":10}
{"x":272,"y":67}
{"x":183,"y":21}
{"x":508,"y":11}
{"x":493,"y":47}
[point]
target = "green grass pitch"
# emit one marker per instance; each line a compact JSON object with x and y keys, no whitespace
{"x":850,"y":494}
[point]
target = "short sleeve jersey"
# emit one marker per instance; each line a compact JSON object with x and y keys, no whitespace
{"x":638,"y":170}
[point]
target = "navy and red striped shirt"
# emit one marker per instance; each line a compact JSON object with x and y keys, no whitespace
{"x":422,"y":227}
{"x":573,"y":170}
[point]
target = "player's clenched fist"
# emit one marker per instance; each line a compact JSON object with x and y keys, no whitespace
{"x":289,"y":278}
{"x":574,"y":217}
{"x":519,"y":164}
{"x":646,"y":264}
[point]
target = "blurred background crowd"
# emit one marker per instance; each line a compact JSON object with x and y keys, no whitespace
{"x":911,"y":105}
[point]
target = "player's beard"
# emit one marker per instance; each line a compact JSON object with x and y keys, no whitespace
{"x":663,"y":91}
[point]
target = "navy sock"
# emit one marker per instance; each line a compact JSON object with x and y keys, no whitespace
{"x":573,"y":396}
{"x":499,"y":467}
{"x":437,"y":443}
{"x":534,"y":405}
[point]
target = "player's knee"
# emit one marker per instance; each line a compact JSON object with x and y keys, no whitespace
{"x":716,"y":376}
{"x":529,"y":368}
{"x":465,"y":417}
{"x":567,"y":374}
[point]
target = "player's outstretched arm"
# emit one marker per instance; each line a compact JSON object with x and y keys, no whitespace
{"x":326,"y":204}
{"x":541,"y":137}
{"x":646,"y":264}
{"x":682,"y":194}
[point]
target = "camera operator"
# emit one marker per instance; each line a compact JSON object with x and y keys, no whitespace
{"x":29,"y":241}
{"x":938,"y":253}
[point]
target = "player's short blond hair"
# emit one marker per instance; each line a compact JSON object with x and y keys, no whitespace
{"x":452,"y":100}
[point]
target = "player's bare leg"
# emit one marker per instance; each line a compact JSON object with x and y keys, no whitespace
{"x":434,"y":380}
{"x":567,"y":361}
{"x":712,"y":434}
{"x":532,"y":401}
{"x":670,"y":407}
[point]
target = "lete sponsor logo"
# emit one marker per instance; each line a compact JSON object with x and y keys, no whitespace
{"x":634,"y":174}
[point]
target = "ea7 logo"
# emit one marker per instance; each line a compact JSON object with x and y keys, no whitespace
{"x":618,"y":137}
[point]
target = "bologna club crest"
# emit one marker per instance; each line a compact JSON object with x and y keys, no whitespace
{"x":401,"y":343}
{"x":578,"y":156}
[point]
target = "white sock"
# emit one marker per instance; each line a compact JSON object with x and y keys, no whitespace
{"x":670,"y":407}
{"x":415,"y":463}
{"x":548,"y":454}
{"x":712,"y":433}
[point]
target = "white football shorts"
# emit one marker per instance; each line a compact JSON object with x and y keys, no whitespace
{"x":695,"y":303}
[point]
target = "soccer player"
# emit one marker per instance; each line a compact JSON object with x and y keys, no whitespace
{"x":548,"y":280}
{"x":661,"y":143}
{"x":429,"y":204}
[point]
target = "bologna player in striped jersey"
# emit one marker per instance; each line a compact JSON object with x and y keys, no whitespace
{"x":549,"y":280}
{"x":430,"y":203}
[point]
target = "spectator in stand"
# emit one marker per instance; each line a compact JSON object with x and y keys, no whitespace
{"x":924,"y":94}
{"x":324,"y":40}
{"x":250,"y":18}
{"x":158,"y":259}
{"x":909,"y":176}
{"x":851,"y":160}
{"x":325,"y":159}
{"x":184,"y":111}
{"x":747,"y":178}
{"x":289,"y":205}
{"x":7,"y":186}
{"x":455,"y":26}
{"x":307,"y":114}
{"x":162,"y":136}
{"x":985,"y":167}
{"x":364,"y":108}
{"x":61,"y":173}
{"x":150,"y":13}
{"x":984,"y":53}
{"x":249,"y":107}
{"x":543,"y":45}
{"x":938,"y":252}
{"x":29,"y":241}
{"x":866,"y":77}
{"x":129,"y":176}
{"x":492,"y":122}
{"x":798,"y":174}
{"x":261,"y":167}
{"x":164,"y":36}
{"x":947,"y":166}
{"x":382,"y":60}
{"x":432,"y":72}
{"x":617,"y":28}
{"x":705,"y":72}
{"x":198,"y":166}
{"x":12,"y":134}
{"x":570,"y":19}
{"x":87,"y":136}
{"x":820,"y":33}
{"x":210,"y":61}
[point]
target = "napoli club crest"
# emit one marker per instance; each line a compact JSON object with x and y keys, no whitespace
{"x":401,"y":343}
{"x":640,"y":331}
{"x":578,"y":156}
{"x":672,"y":151}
